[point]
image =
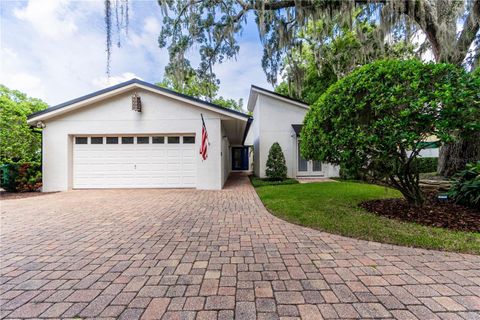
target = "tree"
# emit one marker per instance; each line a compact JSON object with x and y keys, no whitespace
{"x":18,"y":141}
{"x":191,"y":84}
{"x":450,"y":29}
{"x":306,"y":77}
{"x":276,"y":167}
{"x":454,"y":156}
{"x":374,"y":119}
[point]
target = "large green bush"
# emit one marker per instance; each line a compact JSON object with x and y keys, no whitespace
{"x":18,"y":141}
{"x":276,"y":167}
{"x":466,"y":187}
{"x":370,"y":119}
{"x":21,"y":177}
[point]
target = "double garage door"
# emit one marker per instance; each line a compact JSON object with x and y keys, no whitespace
{"x":154,"y":161}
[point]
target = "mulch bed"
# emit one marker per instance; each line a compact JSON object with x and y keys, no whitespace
{"x":20,"y":195}
{"x":435,"y":213}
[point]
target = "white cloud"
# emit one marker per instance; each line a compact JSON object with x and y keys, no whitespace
{"x":60,"y":54}
{"x":55,"y":50}
{"x":50,"y":17}
{"x":104,"y":81}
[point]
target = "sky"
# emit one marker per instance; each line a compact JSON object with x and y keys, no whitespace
{"x":55,"y":50}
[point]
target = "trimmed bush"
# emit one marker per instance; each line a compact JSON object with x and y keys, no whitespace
{"x":466,"y":187}
{"x":424,"y":165}
{"x":21,"y":177}
{"x":257,"y":182}
{"x":276,"y":167}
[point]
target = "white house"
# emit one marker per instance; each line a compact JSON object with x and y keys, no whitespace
{"x":138,"y":135}
{"x":98,"y":141}
{"x":277,"y":118}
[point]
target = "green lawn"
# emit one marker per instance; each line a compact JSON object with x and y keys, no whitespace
{"x":332,"y":207}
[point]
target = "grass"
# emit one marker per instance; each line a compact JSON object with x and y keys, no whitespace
{"x":332,"y":207}
{"x":257,"y":182}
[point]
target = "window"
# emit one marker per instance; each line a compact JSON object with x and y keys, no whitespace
{"x":143,"y":140}
{"x":173,"y":140}
{"x":81,"y":140}
{"x":158,"y":139}
{"x":189,"y":140}
{"x":112,"y":140}
{"x":127,"y":140}
{"x":96,"y":140}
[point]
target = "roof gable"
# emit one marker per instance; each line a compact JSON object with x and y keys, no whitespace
{"x":123,"y":87}
{"x":255,"y":91}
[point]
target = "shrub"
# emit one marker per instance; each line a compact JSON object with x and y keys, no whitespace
{"x":276,"y":167}
{"x":21,"y":177}
{"x":349,"y":173}
{"x":372,"y":117}
{"x":466,"y":187}
{"x":424,"y":165}
{"x":258,"y":182}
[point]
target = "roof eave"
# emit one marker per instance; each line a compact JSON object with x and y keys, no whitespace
{"x":275,"y":95}
{"x":123,"y":87}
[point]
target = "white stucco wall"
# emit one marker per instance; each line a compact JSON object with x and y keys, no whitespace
{"x":225,"y":156}
{"x":272,"y":122}
{"x":114,"y":116}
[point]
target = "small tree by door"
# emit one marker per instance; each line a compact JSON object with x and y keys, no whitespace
{"x":276,"y":167}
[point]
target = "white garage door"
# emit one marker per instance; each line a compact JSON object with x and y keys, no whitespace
{"x":155,"y":161}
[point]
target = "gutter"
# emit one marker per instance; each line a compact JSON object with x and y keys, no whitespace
{"x":247,"y":128}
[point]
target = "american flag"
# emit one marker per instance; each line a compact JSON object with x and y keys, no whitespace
{"x":204,"y":146}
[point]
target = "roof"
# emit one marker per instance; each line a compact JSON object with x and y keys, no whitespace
{"x":254,"y":90}
{"x":278,"y":94}
{"x":136,"y":82}
{"x":297,"y":128}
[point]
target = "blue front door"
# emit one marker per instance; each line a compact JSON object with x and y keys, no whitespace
{"x":239,"y":158}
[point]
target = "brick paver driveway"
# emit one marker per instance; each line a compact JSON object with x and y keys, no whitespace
{"x":181,"y":254}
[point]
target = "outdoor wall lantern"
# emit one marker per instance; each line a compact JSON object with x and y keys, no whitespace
{"x":41,"y":125}
{"x":136,"y":103}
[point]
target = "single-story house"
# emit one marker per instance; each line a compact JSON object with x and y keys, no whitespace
{"x":138,"y":135}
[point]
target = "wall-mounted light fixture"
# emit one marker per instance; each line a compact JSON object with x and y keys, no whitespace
{"x":136,"y":103}
{"x":41,"y":125}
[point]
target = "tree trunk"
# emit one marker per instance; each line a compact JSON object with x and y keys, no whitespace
{"x":454,"y":156}
{"x":410,"y":189}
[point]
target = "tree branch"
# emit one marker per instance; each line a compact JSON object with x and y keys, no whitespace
{"x":469,"y":32}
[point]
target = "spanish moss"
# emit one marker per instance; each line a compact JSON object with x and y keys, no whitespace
{"x":120,"y":10}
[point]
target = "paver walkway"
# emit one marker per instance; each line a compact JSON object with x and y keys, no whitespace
{"x":185,"y":254}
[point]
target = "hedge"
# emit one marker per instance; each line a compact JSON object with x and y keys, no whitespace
{"x":425,"y":165}
{"x":21,"y":177}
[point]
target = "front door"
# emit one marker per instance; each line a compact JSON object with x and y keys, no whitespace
{"x":307,"y":168}
{"x":239,"y":158}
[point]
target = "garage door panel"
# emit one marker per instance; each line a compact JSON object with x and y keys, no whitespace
{"x":159,"y":165}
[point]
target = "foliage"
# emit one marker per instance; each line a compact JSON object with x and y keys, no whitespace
{"x":466,"y":187}
{"x":258,"y":182}
{"x":21,"y":177}
{"x":347,"y":173}
{"x":466,"y":148}
{"x":368,"y":120}
{"x":18,"y":141}
{"x":342,"y":50}
{"x":424,"y":165}
{"x":193,"y":85}
{"x":333,"y":207}
{"x":276,"y":167}
{"x":448,"y":27}
{"x":229,"y":103}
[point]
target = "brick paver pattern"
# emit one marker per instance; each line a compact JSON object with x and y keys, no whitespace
{"x":186,"y":254}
